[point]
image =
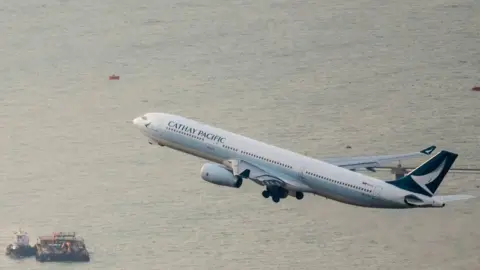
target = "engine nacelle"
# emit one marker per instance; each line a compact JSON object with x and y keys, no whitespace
{"x":219,"y":175}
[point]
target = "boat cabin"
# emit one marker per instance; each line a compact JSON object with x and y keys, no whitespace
{"x":21,"y":238}
{"x":57,"y":239}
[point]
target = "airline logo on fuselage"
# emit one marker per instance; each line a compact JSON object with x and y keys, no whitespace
{"x":196,"y":132}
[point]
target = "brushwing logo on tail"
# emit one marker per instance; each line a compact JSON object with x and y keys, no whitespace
{"x":423,"y":180}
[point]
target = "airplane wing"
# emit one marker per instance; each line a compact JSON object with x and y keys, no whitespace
{"x":451,"y":198}
{"x":263,"y":176}
{"x":370,"y":162}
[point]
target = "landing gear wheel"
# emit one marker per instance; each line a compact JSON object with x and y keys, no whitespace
{"x":266,"y":194}
{"x":299,"y":195}
{"x":275,"y":199}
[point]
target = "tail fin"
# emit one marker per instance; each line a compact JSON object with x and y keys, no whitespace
{"x":426,"y":178}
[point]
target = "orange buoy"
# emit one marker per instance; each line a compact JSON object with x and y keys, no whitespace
{"x":114,"y":77}
{"x":476,"y":88}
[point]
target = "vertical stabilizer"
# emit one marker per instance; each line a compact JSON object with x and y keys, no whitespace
{"x":426,"y":178}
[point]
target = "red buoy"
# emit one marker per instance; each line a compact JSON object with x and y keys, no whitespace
{"x":476,"y":88}
{"x":114,"y":77}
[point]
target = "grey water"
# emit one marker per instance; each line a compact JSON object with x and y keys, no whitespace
{"x":310,"y":76}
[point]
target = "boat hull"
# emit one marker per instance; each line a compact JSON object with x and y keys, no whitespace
{"x":15,"y":251}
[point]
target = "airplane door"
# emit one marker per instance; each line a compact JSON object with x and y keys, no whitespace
{"x":376,"y":191}
{"x":301,"y":173}
{"x":210,"y":148}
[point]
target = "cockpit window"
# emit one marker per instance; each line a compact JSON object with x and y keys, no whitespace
{"x":144,"y":117}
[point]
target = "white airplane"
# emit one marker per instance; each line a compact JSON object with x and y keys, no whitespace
{"x":285,"y":173}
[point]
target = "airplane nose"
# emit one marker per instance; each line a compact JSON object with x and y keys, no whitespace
{"x":138,"y":122}
{"x":141,"y":122}
{"x":135,"y":121}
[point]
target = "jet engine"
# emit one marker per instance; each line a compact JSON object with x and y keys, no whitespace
{"x":220,"y":175}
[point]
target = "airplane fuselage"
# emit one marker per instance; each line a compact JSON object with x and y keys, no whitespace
{"x":310,"y":175}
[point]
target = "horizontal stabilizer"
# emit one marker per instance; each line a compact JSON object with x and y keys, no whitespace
{"x":451,"y":198}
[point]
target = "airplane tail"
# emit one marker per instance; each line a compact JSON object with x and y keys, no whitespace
{"x":426,"y":178}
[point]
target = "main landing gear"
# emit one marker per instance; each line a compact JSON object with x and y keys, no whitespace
{"x":278,"y":193}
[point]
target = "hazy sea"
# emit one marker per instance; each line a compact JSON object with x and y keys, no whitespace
{"x":312,"y":76}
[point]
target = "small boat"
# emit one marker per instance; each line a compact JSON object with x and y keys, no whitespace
{"x":61,"y":247}
{"x":21,"y":247}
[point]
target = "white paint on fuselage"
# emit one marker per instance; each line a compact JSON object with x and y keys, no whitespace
{"x":312,"y":175}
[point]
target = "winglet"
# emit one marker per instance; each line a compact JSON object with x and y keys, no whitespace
{"x":428,"y":150}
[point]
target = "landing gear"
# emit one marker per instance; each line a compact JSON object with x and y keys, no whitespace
{"x":299,"y":195}
{"x":275,"y":199}
{"x":267,"y":193}
{"x":276,"y":193}
{"x":152,"y":142}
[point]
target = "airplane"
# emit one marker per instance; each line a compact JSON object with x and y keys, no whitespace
{"x":284,"y":173}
